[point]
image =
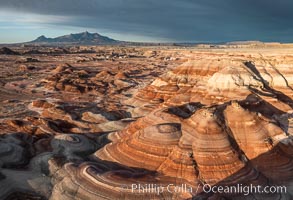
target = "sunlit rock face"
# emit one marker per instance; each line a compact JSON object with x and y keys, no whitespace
{"x":151,"y":131}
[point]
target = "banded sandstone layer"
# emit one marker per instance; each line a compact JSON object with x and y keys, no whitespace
{"x":90,"y":125}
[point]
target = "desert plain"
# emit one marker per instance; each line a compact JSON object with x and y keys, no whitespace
{"x":90,"y":122}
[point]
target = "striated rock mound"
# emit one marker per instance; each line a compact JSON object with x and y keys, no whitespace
{"x":70,"y":79}
{"x":221,"y":126}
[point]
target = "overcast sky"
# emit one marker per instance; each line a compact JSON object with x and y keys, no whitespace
{"x":149,"y":20}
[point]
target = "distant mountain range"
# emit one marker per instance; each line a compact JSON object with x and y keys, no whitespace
{"x":78,"y":38}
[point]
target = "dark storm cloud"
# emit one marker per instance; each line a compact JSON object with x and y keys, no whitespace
{"x":177,"y":20}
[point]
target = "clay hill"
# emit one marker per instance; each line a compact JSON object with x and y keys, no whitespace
{"x":78,"y":38}
{"x":90,"y":126}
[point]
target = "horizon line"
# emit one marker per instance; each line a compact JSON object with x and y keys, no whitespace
{"x":151,"y":42}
